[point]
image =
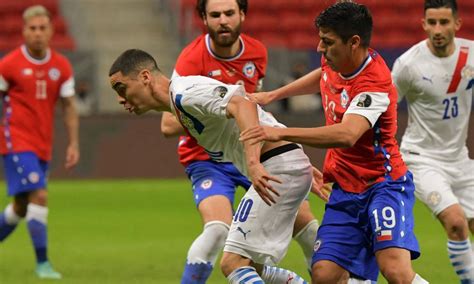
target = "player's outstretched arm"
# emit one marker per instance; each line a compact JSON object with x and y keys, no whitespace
{"x":71,"y":121}
{"x":308,"y":84}
{"x":170,"y":126}
{"x":245,"y":114}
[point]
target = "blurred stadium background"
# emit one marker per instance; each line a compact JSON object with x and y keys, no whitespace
{"x":109,"y":229}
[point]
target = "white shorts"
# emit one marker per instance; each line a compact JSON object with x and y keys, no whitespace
{"x":440,"y":184}
{"x":261,"y":232}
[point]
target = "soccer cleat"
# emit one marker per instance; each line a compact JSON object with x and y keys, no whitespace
{"x":44,"y":270}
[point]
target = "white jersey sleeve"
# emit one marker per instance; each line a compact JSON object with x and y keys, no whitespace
{"x":439,"y":96}
{"x":369,"y":105}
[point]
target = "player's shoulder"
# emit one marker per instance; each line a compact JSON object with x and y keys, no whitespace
{"x":194,"y":49}
{"x":12,"y":56}
{"x":414,"y":53}
{"x":253,"y":46}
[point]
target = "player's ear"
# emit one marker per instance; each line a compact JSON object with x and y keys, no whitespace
{"x":457,"y":23}
{"x":204,"y":18}
{"x":355,"y":41}
{"x":242,"y":16}
{"x":145,"y":76}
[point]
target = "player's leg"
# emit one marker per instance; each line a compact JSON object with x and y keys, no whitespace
{"x":447,"y":190}
{"x":16,"y":210}
{"x":341,"y":250}
{"x":12,"y":215}
{"x":305,"y":230}
{"x":213,"y":192}
{"x":260,"y":233}
{"x":390,"y":212}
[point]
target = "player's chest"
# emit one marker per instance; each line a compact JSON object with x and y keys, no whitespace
{"x":336,"y":98}
{"x":37,"y":81}
{"x":243,"y":73}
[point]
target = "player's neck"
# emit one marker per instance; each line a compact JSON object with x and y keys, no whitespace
{"x":37,"y":54}
{"x":226,"y":51}
{"x":161,"y":93}
{"x":444,"y":51}
{"x":359,"y":58}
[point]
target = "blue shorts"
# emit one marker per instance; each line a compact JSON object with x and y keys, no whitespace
{"x":24,"y":172}
{"x":355,"y":226}
{"x":211,"y":178}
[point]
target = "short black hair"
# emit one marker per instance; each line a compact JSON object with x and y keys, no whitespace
{"x":435,"y":4}
{"x":133,"y":61}
{"x":201,"y":6}
{"x":347,"y":19}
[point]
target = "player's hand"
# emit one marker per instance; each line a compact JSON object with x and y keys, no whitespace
{"x":318,"y":187}
{"x":259,"y":133}
{"x":126,"y":105}
{"x":261,"y":182}
{"x":261,"y":98}
{"x":72,"y":156}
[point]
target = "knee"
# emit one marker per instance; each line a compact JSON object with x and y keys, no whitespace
{"x":320,"y":274}
{"x":457,"y":228}
{"x":39,"y":197}
{"x":396,"y":274}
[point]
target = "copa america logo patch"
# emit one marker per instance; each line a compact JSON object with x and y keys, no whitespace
{"x":54,"y":74}
{"x":206,"y":184}
{"x":220,"y":91}
{"x":364,"y":100}
{"x":33,"y":177}
{"x":344,"y":98}
{"x":467,"y":72}
{"x":317,"y":245}
{"x":434,"y":198}
{"x":249,"y":69}
{"x":186,"y":121}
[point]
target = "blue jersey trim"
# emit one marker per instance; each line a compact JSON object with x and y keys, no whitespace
{"x":196,"y":123}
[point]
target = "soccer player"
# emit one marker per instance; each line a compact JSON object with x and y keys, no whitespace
{"x":214,"y":113}
{"x":368,"y":222}
{"x":437,"y":76}
{"x":32,"y":78}
{"x":234,"y":58}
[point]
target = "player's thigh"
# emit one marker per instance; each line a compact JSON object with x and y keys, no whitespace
{"x":216,"y":208}
{"x":24,"y":173}
{"x":394,"y":261}
{"x":432,"y":183}
{"x":463,"y":186}
{"x":303,"y":217}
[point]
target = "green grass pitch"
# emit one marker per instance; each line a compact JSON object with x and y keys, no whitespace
{"x":138,"y":231}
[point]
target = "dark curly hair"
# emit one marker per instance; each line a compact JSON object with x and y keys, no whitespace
{"x":442,"y":4}
{"x":201,"y":6}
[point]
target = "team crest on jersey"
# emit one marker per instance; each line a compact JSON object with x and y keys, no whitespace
{"x":206,"y":184}
{"x":249,"y":69}
{"x":186,"y":121}
{"x":467,"y":72}
{"x":364,"y":100}
{"x":27,"y":71}
{"x":54,"y":74}
{"x":33,"y":177}
{"x":344,"y":98}
{"x":220,"y":91}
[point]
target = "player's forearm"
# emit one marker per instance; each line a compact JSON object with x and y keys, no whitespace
{"x":245,"y":114}
{"x":332,"y":136}
{"x":308,"y":84}
{"x":170,"y":126}
{"x":71,"y":122}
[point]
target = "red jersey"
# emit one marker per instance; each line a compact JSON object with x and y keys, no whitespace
{"x":247,"y":68}
{"x":368,"y":92}
{"x":31,"y":88}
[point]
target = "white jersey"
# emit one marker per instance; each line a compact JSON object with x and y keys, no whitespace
{"x":200,"y":105}
{"x":439,"y":94}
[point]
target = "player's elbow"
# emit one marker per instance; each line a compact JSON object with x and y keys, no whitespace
{"x":168,"y":132}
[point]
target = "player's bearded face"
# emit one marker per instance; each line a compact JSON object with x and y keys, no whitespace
{"x":441,"y":26}
{"x":224,"y":35}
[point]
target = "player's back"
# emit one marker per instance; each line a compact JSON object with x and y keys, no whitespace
{"x":200,"y":105}
{"x":439,"y":95}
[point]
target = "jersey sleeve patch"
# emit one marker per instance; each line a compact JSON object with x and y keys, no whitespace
{"x":369,"y":105}
{"x":67,"y":88}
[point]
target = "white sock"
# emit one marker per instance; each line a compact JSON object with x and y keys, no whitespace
{"x":207,"y":246}
{"x":419,"y":280}
{"x":358,"y":281}
{"x":244,"y":275}
{"x":306,"y":238}
{"x":461,"y":257}
{"x":11,"y":218}
{"x":276,"y":275}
